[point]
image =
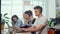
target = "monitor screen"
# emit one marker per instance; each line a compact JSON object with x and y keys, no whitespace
{"x":57,"y":21}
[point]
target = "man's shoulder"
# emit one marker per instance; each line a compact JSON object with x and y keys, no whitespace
{"x":45,"y":18}
{"x":42,"y":19}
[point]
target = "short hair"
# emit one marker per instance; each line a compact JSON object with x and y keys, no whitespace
{"x":13,"y":17}
{"x":29,"y":12}
{"x":38,"y":7}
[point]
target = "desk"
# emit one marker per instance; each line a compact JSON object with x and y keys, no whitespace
{"x":6,"y":31}
{"x":24,"y":33}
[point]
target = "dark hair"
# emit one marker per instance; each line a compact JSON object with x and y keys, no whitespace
{"x":29,"y":12}
{"x":38,"y":7}
{"x":13,"y":17}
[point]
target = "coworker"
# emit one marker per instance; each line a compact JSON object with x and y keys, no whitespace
{"x":40,"y":25}
{"x":16,"y":23}
{"x":28,"y":16}
{"x":32,"y":19}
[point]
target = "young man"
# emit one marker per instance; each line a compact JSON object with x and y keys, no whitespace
{"x":40,"y":25}
{"x":31,"y":20}
{"x":26,"y":17}
{"x":29,"y":16}
{"x":16,"y":23}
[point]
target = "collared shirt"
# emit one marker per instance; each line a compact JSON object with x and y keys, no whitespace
{"x":42,"y":20}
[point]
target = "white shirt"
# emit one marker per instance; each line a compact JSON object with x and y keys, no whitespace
{"x":42,"y":20}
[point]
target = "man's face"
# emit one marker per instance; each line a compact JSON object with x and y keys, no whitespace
{"x":15,"y":19}
{"x":26,"y":16}
{"x":36,"y":12}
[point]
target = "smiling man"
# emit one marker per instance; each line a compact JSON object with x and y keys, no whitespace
{"x":40,"y":25}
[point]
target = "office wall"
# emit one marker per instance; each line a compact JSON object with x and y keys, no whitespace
{"x":17,"y":7}
{"x":51,"y":8}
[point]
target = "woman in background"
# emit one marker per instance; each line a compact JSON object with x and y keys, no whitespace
{"x":16,"y":23}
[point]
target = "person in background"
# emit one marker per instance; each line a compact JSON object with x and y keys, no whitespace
{"x":29,"y":17}
{"x":40,"y":25}
{"x":16,"y":23}
{"x":26,"y":17}
{"x":32,"y":19}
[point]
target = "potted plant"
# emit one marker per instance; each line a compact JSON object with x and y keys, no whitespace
{"x":58,"y":14}
{"x":4,"y":19}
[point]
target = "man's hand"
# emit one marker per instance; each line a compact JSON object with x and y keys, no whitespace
{"x":25,"y":29}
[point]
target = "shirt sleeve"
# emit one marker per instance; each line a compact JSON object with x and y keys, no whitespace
{"x":44,"y":21}
{"x":19,"y":23}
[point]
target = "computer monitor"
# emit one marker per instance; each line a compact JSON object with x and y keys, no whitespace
{"x":57,"y":21}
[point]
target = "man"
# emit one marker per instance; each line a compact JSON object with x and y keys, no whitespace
{"x":29,"y":16}
{"x":31,"y":20}
{"x":40,"y":24}
{"x":16,"y":23}
{"x":26,"y":17}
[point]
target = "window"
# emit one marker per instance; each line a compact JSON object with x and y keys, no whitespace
{"x":17,"y":7}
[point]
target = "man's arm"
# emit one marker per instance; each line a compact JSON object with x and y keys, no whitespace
{"x":40,"y":27}
{"x":34,"y":29}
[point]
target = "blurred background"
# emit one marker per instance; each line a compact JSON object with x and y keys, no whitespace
{"x":51,"y":8}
